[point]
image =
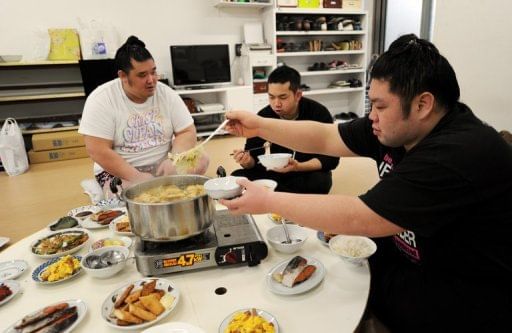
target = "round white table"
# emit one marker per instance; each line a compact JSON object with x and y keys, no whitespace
{"x":335,"y":305}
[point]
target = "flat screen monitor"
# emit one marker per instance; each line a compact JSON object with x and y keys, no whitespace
{"x":96,"y":72}
{"x":199,"y":65}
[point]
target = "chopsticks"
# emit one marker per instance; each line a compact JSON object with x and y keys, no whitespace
{"x":265,"y":145}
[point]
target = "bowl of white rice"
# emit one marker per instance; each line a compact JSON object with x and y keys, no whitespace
{"x":352,"y":249}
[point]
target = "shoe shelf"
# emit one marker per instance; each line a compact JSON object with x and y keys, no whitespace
{"x":321,"y":33}
{"x":328,"y":91}
{"x":324,"y":11}
{"x":41,"y":93}
{"x":250,"y":4}
{"x":331,"y":72}
{"x":318,"y":53}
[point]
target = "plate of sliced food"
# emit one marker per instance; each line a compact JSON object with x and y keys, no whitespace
{"x":12,"y":269}
{"x":295,"y":276}
{"x":140,"y":304}
{"x":57,"y":270}
{"x":60,"y":317}
{"x":93,"y":217}
{"x":59,"y":243}
{"x":249,"y":320}
{"x":121,"y":226}
{"x":8,"y":289}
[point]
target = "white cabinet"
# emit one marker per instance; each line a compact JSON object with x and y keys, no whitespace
{"x":332,"y":62}
{"x":229,"y":98}
{"x":258,"y":65}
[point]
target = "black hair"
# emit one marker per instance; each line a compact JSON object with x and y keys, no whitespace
{"x":412,"y":66}
{"x":134,"y":49}
{"x":283,"y":74}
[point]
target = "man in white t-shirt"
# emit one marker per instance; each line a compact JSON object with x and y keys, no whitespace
{"x":131,"y":123}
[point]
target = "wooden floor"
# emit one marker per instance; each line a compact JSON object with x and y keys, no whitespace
{"x":31,"y":201}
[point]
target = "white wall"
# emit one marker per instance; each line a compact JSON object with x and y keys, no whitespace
{"x":476,"y":38}
{"x":159,"y":23}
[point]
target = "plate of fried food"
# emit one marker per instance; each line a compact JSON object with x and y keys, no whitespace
{"x":93,"y":217}
{"x":59,"y":317}
{"x":295,"y":276}
{"x":140,"y":304}
{"x":249,"y":320}
{"x":57,"y":270}
{"x":59,"y":243}
{"x":121,"y":226}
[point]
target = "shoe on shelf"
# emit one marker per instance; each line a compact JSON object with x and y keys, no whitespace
{"x":315,"y":67}
{"x":332,"y":64}
{"x":353,"y":115}
{"x":342,"y":116}
{"x":355,"y":83}
{"x":305,"y":87}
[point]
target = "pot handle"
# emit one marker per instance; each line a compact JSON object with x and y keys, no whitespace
{"x":114,"y":183}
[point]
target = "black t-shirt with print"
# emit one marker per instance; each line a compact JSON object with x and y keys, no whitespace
{"x":452,"y":267}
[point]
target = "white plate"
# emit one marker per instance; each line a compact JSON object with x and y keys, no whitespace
{"x":15,"y":288}
{"x":81,"y":310}
{"x":12,"y":269}
{"x":174,"y":327}
{"x":267,"y":316}
{"x":4,"y":240}
{"x":112,"y":227}
{"x":36,"y":273}
{"x":127,"y":241}
{"x":108,"y":303}
{"x":307,"y":285}
{"x":86,"y":221}
{"x":112,"y":203}
{"x":58,"y":232}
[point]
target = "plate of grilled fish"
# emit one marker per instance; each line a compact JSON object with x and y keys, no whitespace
{"x":59,"y":317}
{"x":295,"y":276}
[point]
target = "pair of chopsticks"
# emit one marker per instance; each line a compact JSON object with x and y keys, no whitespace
{"x":265,"y":145}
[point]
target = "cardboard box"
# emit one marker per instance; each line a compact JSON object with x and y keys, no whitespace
{"x":351,"y":4}
{"x":309,"y":3}
{"x":57,"y":140}
{"x":56,"y":154}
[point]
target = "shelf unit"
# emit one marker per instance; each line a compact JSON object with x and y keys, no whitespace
{"x":250,"y":4}
{"x":231,"y":97}
{"x":338,"y":99}
{"x":41,"y":91}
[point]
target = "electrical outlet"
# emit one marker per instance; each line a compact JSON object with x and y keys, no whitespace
{"x":238,"y":50}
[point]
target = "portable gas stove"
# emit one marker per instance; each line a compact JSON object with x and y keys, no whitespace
{"x":230,"y":240}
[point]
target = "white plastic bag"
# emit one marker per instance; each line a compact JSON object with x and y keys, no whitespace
{"x":12,"y":148}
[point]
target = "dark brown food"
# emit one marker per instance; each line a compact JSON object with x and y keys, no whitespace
{"x":83,"y":214}
{"x":106,"y":217}
{"x":49,"y":320}
{"x":27,"y":320}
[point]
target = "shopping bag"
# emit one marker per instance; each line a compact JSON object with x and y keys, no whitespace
{"x":12,"y":148}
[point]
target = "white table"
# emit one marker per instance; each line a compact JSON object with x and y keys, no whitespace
{"x":336,"y":305}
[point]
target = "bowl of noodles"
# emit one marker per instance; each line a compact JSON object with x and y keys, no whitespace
{"x":169,"y":208}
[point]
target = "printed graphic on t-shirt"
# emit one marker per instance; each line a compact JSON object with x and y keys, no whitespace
{"x":143,"y":130}
{"x":406,"y":240}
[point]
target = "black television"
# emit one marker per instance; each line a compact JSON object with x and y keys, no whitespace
{"x":95,"y":72}
{"x":196,"y":66}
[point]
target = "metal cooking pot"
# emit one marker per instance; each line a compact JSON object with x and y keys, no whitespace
{"x":168,"y":221}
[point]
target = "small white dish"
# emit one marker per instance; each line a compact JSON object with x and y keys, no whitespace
{"x":81,"y":310}
{"x":352,"y":249}
{"x":12,"y":269}
{"x":109,"y":271}
{"x":53,"y":235}
{"x":15,"y":288}
{"x":113,"y":226}
{"x":36,"y":273}
{"x":264,"y":314}
{"x":223,"y":187}
{"x":300,"y":288}
{"x":4,"y":240}
{"x":174,"y":327}
{"x":108,"y":303}
{"x":111,"y":241}
{"x":11,"y":57}
{"x":274,"y":161}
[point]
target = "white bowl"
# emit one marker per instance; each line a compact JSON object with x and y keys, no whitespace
{"x":223,"y":187}
{"x":268,"y":183}
{"x":111,"y":241}
{"x":274,"y":161}
{"x":103,"y":273}
{"x":10,"y":58}
{"x":353,"y":249}
{"x":276,"y":237}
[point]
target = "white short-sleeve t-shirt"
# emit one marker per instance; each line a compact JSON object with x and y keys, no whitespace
{"x":141,"y":133}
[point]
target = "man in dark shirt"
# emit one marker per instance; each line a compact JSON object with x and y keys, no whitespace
{"x":441,"y":214}
{"x":305,"y":173}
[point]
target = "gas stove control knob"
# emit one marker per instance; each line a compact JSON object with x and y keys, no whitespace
{"x":230,"y":257}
